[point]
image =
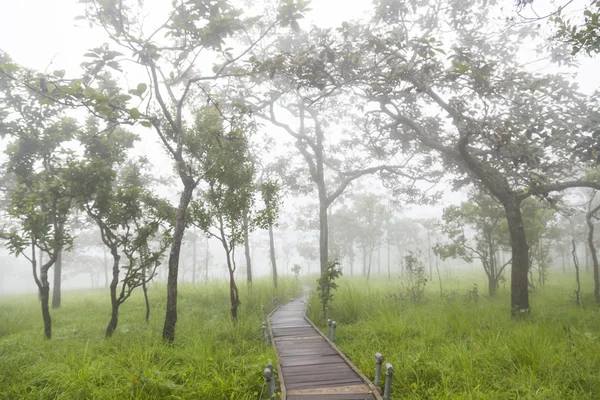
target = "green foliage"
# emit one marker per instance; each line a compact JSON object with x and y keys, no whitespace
{"x":270,"y":192}
{"x":296,"y":270}
{"x":229,"y":191}
{"x":471,"y":350}
{"x":584,"y":36}
{"x":415,"y":277}
{"x":326,"y":284}
{"x":213,"y":358}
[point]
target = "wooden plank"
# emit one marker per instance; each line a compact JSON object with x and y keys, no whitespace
{"x":334,"y":396}
{"x":310,"y":367}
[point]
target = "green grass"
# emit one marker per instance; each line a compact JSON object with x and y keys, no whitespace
{"x":212,"y":358}
{"x":453,"y":348}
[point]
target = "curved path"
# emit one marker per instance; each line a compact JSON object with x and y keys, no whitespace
{"x":310,"y":366}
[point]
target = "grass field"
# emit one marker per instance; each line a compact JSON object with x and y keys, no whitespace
{"x":459,"y":348}
{"x":211,"y":359}
{"x":449,"y":347}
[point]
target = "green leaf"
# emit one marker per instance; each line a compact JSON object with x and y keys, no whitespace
{"x":135,"y":113}
{"x":145,"y":123}
{"x":141,"y":88}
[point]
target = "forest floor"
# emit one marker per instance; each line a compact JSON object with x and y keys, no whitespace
{"x":465,"y":345}
{"x":455,"y":346}
{"x":211,"y":358}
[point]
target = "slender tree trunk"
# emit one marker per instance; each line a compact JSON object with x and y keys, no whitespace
{"x":171,"y":312}
{"x":194,"y":261}
{"x":323,"y":238}
{"x":206,"y":262}
{"x":45,"y":300}
{"x":594,"y":254}
{"x":40,"y":262}
{"x":520,"y":258}
{"x":105,"y":270}
{"x":247,"y":252}
{"x":370,"y":264}
{"x":57,"y":280}
{"x":576,"y":264}
{"x":114,"y":301}
{"x":145,"y":290}
{"x":389,"y":261}
{"x":587,"y":258}
{"x":272,"y":253}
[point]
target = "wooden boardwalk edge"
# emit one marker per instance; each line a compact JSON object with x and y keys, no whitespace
{"x":374,"y":388}
{"x":329,"y":390}
{"x":272,"y":337}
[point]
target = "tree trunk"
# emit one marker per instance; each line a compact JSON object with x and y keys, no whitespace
{"x":272,"y":254}
{"x":45,"y":300}
{"x":594,"y":254}
{"x":171,"y":313}
{"x":145,"y":290}
{"x":492,"y":285}
{"x":57,"y":280}
{"x":370,"y":264}
{"x":323,"y":238}
{"x":194,"y":261}
{"x":388,"y":261}
{"x":247,"y":252}
{"x":520,"y":258}
{"x":105,"y":270}
{"x":206,"y":262}
{"x":114,"y":301}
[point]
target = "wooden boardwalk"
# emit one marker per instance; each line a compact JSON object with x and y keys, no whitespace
{"x":311,"y":367}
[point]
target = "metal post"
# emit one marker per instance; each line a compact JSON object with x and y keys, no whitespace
{"x":379,"y":359}
{"x":329,"y":328}
{"x":265,"y":335}
{"x":270,"y":378}
{"x":389,"y":372}
{"x":333,"y":326}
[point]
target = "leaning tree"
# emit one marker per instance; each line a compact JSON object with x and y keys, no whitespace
{"x":451,"y":82}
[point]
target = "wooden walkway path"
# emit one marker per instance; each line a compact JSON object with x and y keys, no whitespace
{"x":310,"y":366}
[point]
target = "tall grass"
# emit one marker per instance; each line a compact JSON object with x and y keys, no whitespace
{"x":212,"y":358}
{"x":456,"y":348}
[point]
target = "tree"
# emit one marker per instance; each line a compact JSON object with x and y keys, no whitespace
{"x":308,"y":88}
{"x":128,"y":215}
{"x":370,"y":216}
{"x":270,"y":193}
{"x":167,"y":56}
{"x":511,"y":131}
{"x":229,"y":189}
{"x":42,"y":198}
{"x":581,"y":35}
{"x":483,"y":215}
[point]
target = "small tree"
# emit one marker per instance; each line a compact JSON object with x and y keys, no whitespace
{"x":326,"y":284}
{"x":270,"y":192}
{"x":484,"y":216}
{"x":228,"y":191}
{"x":415,"y":277}
{"x":296,"y":270}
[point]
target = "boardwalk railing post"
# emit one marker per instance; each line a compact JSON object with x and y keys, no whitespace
{"x":389,"y":372}
{"x":329,"y":328}
{"x":333,"y":326}
{"x":263,"y":313}
{"x":275,"y":301}
{"x":265,"y":335}
{"x":379,"y":359}
{"x":270,"y":379}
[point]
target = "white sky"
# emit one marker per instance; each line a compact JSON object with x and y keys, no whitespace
{"x":43,"y":34}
